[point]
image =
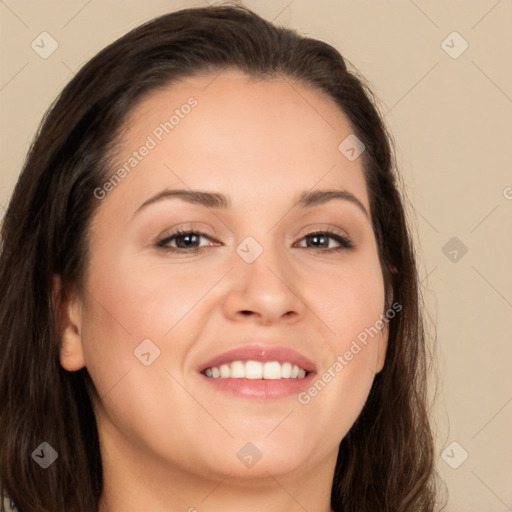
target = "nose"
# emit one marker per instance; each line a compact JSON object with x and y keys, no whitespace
{"x":264,"y":291}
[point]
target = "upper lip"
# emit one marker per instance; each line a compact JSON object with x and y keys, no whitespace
{"x":262,"y":353}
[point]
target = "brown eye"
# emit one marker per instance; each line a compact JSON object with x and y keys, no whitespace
{"x":188,"y":241}
{"x":323,"y":240}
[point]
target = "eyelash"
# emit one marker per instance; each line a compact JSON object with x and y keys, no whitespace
{"x":344,"y":241}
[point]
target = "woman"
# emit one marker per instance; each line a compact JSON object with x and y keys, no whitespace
{"x":210,"y":298}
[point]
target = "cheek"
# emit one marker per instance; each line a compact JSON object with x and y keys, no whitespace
{"x":134,"y":309}
{"x":132,"y":303}
{"x":130,"y":314}
{"x":352,"y":312}
{"x":348,"y":298}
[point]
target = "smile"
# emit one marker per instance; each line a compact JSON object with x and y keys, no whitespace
{"x":271,"y":370}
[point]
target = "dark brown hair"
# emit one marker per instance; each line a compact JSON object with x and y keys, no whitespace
{"x":385,"y":462}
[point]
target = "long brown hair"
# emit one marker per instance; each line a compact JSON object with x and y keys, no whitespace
{"x":385,"y":462}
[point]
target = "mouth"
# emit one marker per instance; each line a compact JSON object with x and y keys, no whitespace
{"x":259,"y":372}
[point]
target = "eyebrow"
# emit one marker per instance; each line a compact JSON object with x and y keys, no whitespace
{"x":215,"y":200}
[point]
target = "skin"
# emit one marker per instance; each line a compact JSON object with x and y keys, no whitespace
{"x":168,"y":438}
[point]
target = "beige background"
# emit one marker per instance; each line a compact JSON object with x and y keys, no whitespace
{"x":451,"y":118}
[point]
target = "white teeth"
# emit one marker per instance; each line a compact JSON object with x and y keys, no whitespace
{"x":272,"y":370}
{"x":286,"y":370}
{"x":253,"y":370}
{"x":237,"y":370}
{"x":256,"y":370}
{"x":224,"y":371}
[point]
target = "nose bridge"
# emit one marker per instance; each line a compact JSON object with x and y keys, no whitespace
{"x":262,"y":263}
{"x":263,"y":281}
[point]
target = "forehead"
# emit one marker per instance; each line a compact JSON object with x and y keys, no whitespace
{"x":231,"y":132}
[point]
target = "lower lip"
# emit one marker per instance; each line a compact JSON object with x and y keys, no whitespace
{"x":261,"y":388}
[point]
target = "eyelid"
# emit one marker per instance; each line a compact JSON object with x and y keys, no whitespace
{"x":311,"y":229}
{"x":191,"y":227}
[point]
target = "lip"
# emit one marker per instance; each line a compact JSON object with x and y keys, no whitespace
{"x":260,"y":388}
{"x":262,"y":354}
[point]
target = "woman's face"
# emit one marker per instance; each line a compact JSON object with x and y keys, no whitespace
{"x":266,"y":269}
